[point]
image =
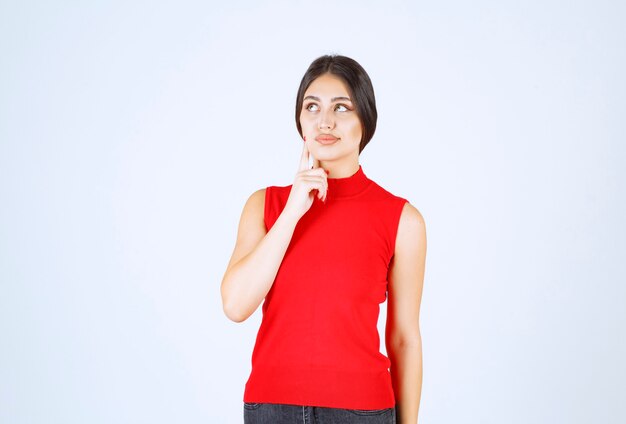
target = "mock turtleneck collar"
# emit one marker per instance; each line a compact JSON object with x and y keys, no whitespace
{"x":347,"y":186}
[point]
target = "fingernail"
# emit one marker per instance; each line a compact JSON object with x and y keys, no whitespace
{"x":304,"y":138}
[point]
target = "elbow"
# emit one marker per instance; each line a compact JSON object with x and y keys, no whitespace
{"x":233,"y":314}
{"x":236,"y":306}
{"x":232,"y":309}
{"x":234,"y":317}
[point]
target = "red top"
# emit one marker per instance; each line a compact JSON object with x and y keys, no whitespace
{"x":318,"y":343}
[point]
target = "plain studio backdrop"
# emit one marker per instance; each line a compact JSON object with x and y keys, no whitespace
{"x":132,"y":133}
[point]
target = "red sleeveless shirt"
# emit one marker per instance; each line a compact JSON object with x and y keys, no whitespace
{"x":318,"y":343}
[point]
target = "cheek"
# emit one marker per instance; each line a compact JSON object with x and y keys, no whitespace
{"x":355,"y":127}
{"x":306,"y":122}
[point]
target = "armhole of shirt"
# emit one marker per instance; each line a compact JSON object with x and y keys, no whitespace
{"x":396,"y":225}
{"x":266,"y":208}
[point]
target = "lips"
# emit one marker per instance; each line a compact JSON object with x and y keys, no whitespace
{"x":326,"y":138}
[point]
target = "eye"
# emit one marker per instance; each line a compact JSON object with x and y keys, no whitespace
{"x":312,"y":107}
{"x":345,"y":108}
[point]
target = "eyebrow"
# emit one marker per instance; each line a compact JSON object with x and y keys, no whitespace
{"x":334,"y":99}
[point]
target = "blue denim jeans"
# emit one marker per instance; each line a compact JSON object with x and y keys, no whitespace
{"x":274,"y":413}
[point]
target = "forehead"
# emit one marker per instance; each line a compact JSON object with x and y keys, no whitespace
{"x":327,"y":85}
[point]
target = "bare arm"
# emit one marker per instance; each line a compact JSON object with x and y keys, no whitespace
{"x":255,"y":260}
{"x":403,"y":338}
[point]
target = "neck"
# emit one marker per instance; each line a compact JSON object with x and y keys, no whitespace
{"x":340,"y":170}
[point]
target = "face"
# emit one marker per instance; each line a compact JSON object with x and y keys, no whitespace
{"x":329,"y":120}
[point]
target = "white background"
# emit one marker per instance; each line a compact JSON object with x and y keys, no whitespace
{"x":132,"y":133}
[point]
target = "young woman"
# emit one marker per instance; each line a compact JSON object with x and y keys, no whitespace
{"x":323,"y":253}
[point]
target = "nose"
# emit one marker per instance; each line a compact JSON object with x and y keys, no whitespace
{"x":326,"y":121}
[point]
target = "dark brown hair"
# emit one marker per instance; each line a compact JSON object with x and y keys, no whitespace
{"x":358,"y":83}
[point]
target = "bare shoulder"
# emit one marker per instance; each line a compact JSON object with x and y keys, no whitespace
{"x":411,"y":229}
{"x":411,"y":218}
{"x":253,"y":212}
{"x":257,"y":199}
